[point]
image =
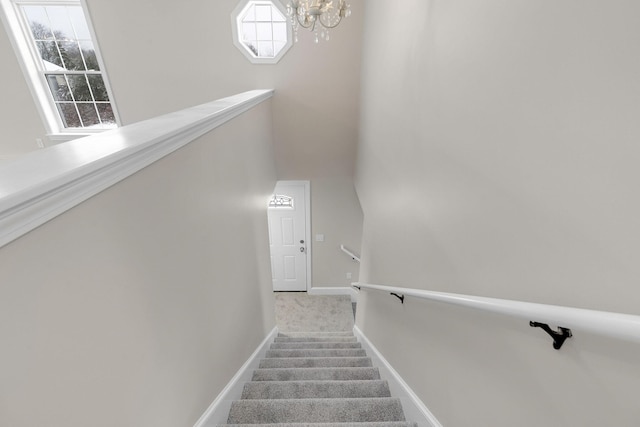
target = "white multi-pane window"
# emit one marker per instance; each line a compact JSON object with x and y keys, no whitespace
{"x":261,"y":30}
{"x":55,"y":43}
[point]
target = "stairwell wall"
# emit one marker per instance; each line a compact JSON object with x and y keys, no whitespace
{"x":136,"y":307}
{"x":498,"y":157}
{"x":336,"y":214}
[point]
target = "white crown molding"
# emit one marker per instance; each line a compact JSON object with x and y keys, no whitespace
{"x":41,"y":185}
{"x":218,"y":411}
{"x":414,"y":409}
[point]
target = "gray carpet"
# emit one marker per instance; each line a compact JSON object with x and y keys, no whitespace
{"x":317,"y":379}
{"x":298,"y":311}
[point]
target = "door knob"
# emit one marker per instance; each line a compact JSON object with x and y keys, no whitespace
{"x":301,"y":249}
{"x":301,"y":242}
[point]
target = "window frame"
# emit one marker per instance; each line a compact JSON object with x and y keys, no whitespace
{"x":236,"y":24}
{"x":29,"y":58}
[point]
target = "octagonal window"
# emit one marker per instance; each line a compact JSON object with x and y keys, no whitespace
{"x":261,"y":30}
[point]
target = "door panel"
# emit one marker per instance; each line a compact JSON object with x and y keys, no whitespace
{"x":289,"y":268}
{"x":287,"y":231}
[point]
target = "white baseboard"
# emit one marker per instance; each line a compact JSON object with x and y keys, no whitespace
{"x":414,"y":409}
{"x":335,"y":290}
{"x":218,"y":411}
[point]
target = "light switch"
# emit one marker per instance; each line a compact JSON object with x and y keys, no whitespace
{"x":319,"y":237}
{"x":349,"y":276}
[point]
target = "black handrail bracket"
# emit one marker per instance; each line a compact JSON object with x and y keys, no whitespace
{"x":559,"y":336}
{"x":401,"y":298}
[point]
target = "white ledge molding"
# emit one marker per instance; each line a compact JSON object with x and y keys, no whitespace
{"x":618,"y":325}
{"x":41,"y":185}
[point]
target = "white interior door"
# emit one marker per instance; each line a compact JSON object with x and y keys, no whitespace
{"x":287,"y":236}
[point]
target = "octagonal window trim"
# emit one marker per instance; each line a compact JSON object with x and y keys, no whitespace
{"x":244,"y":16}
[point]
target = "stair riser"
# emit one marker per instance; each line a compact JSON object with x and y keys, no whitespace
{"x":317,"y":353}
{"x":316,"y":334}
{"x":315,"y":339}
{"x":315,"y":390}
{"x":319,"y":362}
{"x":316,"y":374}
{"x":315,"y":411}
{"x":314,"y":345}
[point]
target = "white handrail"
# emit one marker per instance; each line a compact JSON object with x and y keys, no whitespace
{"x":618,"y":325}
{"x":351,"y":254}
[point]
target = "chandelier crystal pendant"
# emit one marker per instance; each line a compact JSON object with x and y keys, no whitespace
{"x":309,"y":13}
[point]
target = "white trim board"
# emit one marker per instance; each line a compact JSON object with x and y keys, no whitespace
{"x":414,"y":409}
{"x":218,"y":411}
{"x":70,"y":173}
{"x":334,"y":290}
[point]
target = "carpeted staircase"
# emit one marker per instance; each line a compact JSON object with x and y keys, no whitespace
{"x":317,"y":379}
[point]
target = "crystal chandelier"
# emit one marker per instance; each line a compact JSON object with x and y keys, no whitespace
{"x":308,"y":13}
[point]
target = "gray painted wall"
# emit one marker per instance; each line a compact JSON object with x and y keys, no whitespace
{"x":136,"y":307}
{"x":499,"y":158}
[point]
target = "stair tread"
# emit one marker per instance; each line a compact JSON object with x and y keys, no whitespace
{"x":316,"y":410}
{"x":328,"y":373}
{"x":315,"y":389}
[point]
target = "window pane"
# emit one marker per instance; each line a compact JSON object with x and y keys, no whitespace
{"x":79,"y":23}
{"x":70,"y":53}
{"x":249,"y":31}
{"x":277,"y":16}
{"x":265,"y":49}
{"x":69,"y":115}
{"x":98,"y":88}
{"x":88,"y":114}
{"x":250,"y":15}
{"x":278,"y":46}
{"x":252,"y":47}
{"x":264,"y":32}
{"x":79,"y":87}
{"x":38,"y":22}
{"x":89,"y":54}
{"x":49,"y":54}
{"x":106,"y":114}
{"x":280,"y":31}
{"x":60,"y":22}
{"x":263,"y":12}
{"x":59,"y":88}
